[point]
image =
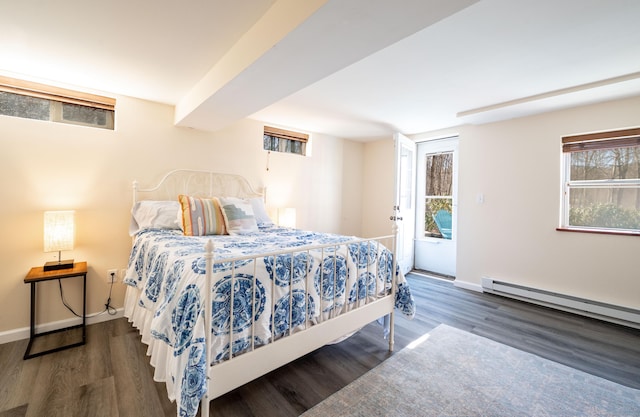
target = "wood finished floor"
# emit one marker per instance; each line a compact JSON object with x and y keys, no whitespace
{"x":111,"y":375}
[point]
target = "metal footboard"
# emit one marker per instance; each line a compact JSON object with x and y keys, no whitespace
{"x":298,"y":339}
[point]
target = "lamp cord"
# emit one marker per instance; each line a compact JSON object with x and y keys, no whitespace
{"x":108,"y":307}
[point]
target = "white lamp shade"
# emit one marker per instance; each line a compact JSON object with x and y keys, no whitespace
{"x":287,"y":217}
{"x":59,"y":230}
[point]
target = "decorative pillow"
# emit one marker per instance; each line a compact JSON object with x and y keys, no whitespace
{"x":201,"y":216}
{"x":147,"y":214}
{"x":238,"y":216}
{"x":260,"y":212}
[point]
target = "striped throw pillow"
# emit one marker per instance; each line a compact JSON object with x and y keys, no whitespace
{"x":201,"y":216}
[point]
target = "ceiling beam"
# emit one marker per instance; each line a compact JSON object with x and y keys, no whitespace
{"x":296,"y":44}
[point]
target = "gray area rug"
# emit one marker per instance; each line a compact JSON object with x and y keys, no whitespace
{"x":456,"y":373}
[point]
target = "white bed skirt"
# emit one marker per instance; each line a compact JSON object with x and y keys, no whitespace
{"x":161,"y":354}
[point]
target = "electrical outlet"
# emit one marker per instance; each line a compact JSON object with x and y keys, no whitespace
{"x":112,"y":275}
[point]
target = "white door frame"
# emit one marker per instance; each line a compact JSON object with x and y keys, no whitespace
{"x":436,"y":254}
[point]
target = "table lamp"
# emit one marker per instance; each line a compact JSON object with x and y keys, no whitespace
{"x":59,"y":235}
{"x":287,"y":217}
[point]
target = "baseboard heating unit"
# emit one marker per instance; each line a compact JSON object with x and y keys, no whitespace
{"x":603,"y":311}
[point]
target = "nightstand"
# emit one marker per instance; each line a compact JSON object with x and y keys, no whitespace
{"x":37,"y":274}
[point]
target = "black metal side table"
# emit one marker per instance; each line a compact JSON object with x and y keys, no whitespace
{"x":37,"y":274}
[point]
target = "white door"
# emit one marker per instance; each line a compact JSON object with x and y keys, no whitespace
{"x":405,"y":197}
{"x":436,"y":207}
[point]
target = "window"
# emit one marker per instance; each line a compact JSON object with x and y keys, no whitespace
{"x":438,"y":204}
{"x":30,"y":100}
{"x":601,"y":182}
{"x":280,"y":140}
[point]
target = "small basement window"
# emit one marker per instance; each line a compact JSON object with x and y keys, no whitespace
{"x":29,"y":100}
{"x":280,"y":140}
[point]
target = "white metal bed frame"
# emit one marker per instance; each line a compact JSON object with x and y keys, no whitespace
{"x":238,"y":370}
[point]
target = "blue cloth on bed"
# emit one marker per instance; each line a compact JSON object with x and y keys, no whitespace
{"x":306,"y":286}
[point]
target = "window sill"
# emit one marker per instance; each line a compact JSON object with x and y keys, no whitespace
{"x":597,"y":232}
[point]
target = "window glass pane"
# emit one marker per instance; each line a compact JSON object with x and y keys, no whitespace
{"x":615,"y":163}
{"x":274,"y":143}
{"x":271,"y":143}
{"x":432,"y":207}
{"x":84,"y":114}
{"x":439,"y":171}
{"x":613,"y":207}
{"x":297,"y":147}
{"x":24,"y":106}
{"x":406,"y":179}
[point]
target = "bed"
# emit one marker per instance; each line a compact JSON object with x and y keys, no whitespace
{"x":273,"y":293}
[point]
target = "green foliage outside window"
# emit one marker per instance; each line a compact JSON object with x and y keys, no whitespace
{"x":605,"y":215}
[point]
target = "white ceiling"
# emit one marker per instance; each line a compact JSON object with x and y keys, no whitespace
{"x":358,"y":69}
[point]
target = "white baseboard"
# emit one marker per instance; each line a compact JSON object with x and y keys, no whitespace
{"x":468,"y":285}
{"x":457,"y":282}
{"x":23,"y":333}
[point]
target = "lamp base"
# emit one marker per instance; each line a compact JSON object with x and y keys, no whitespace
{"x":55,"y":265}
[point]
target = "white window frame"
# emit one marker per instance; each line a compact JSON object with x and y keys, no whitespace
{"x":568,"y":184}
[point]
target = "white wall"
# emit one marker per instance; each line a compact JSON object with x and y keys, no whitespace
{"x":511,"y":236}
{"x":352,"y":188}
{"x":49,"y":166}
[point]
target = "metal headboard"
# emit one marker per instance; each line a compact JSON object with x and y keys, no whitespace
{"x":198,"y":184}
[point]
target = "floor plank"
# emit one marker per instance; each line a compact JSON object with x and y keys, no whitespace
{"x":133,"y":377}
{"x":111,"y":376}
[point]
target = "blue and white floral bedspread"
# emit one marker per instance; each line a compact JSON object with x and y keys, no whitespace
{"x":168,"y":269}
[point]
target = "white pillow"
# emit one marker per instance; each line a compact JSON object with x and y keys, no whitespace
{"x":260,"y":212}
{"x":148,"y":214}
{"x":238,"y":216}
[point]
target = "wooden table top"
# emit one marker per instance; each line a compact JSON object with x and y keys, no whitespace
{"x":37,"y":273}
